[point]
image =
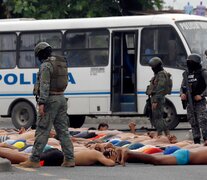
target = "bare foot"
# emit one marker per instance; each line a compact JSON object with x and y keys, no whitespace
{"x":152,"y":134}
{"x":132,"y":124}
{"x":22,"y":130}
{"x":132,"y":127}
{"x":118,"y":153}
{"x":172,"y":139}
{"x":124,"y":155}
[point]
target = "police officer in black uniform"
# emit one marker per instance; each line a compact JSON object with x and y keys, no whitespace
{"x":197,"y":81}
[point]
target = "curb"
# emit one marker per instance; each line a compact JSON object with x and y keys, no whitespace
{"x":5,"y":165}
{"x":119,"y":123}
{"x":116,"y":120}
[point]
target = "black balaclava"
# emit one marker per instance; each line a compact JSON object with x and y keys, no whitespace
{"x":157,"y":68}
{"x":44,"y":54}
{"x":193,"y":66}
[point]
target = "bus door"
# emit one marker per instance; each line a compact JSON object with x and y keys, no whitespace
{"x":124,"y":62}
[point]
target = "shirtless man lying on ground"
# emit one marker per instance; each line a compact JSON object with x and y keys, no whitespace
{"x":195,"y":156}
{"x":25,"y":134}
{"x":82,"y":158}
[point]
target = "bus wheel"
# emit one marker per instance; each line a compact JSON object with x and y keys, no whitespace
{"x":23,"y":115}
{"x":170,"y":115}
{"x":76,"y":121}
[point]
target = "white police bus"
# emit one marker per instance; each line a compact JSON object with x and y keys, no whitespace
{"x":107,"y":60}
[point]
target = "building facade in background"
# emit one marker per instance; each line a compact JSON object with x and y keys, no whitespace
{"x":195,"y":7}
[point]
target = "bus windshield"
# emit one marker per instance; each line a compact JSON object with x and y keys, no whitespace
{"x":195,"y":35}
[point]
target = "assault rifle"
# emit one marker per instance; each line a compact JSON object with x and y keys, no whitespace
{"x":188,"y":90}
{"x":36,"y":90}
{"x":149,"y":110}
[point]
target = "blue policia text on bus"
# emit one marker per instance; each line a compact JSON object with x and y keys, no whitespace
{"x":22,"y":79}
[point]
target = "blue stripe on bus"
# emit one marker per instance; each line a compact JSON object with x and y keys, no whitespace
{"x":87,"y":93}
{"x":16,"y":95}
{"x":144,"y":92}
{"x":80,"y":93}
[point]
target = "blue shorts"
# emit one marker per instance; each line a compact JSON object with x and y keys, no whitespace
{"x":182,"y":156}
{"x":170,"y":150}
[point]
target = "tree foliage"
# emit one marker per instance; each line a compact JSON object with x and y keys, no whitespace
{"x":91,"y":8}
{"x":40,"y":9}
{"x":48,"y":9}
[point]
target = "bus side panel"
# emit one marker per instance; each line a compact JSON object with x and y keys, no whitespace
{"x":78,"y":105}
{"x":89,"y":91}
{"x":9,"y":101}
{"x":4,"y":110}
{"x":16,"y":84}
{"x":99,"y":105}
{"x":175,"y":95}
{"x":144,"y":74}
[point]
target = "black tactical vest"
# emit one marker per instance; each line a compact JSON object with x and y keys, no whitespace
{"x":197,"y":82}
{"x":59,"y":77}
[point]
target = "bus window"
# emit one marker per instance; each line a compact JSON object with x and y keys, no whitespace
{"x":129,"y":62}
{"x":165,"y":43}
{"x":195,"y":35}
{"x":87,"y":48}
{"x":147,"y":45}
{"x":28,"y":42}
{"x":8,"y":50}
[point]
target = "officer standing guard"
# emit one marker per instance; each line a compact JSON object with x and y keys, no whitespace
{"x":49,"y":89}
{"x":157,"y":91}
{"x":195,"y":84}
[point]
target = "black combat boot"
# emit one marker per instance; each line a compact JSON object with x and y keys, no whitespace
{"x":197,"y":140}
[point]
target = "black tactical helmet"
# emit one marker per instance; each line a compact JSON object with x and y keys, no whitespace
{"x":206,"y":52}
{"x":195,"y":58}
{"x":155,"y":61}
{"x":40,"y":46}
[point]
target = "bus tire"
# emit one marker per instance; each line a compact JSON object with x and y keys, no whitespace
{"x":23,"y":115}
{"x":170,"y":115}
{"x":76,"y":121}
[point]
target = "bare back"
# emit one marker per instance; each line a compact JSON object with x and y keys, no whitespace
{"x":91,"y":157}
{"x":198,"y":155}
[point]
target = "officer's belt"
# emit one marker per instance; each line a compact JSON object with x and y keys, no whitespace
{"x":56,"y":93}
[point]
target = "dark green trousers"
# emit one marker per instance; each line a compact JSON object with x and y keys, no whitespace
{"x":56,"y":114}
{"x":157,"y":118}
